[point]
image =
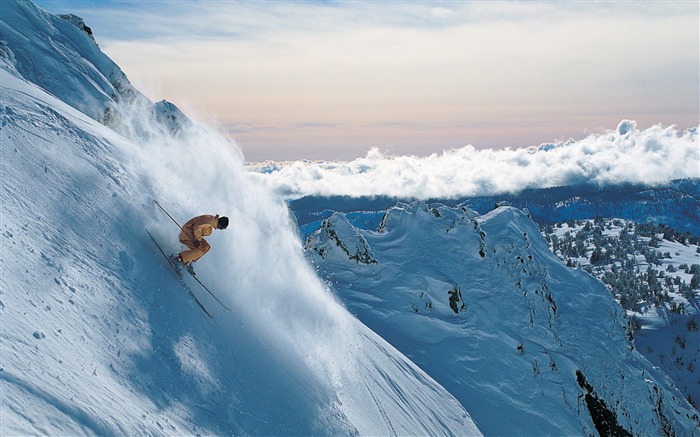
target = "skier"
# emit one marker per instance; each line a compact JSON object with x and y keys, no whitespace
{"x":192,"y":233}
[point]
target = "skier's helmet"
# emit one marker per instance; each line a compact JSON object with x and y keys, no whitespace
{"x":223,"y":222}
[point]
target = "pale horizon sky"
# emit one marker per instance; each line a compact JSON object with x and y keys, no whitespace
{"x":330,"y":80}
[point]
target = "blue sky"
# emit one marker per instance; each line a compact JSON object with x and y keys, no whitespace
{"x":330,"y":80}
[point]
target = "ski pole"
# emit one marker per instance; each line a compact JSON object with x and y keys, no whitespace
{"x":167,"y":213}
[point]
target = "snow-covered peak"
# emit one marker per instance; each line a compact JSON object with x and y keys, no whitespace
{"x":529,"y":346}
{"x":59,"y":54}
{"x":416,"y":214}
{"x":338,"y":238}
{"x":171,"y":118}
{"x":79,"y":23}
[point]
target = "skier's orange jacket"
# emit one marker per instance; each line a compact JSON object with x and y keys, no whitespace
{"x":192,"y":232}
{"x":199,"y":227}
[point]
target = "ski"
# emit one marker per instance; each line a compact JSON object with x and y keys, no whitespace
{"x":190,"y":271}
{"x":179,"y":275}
{"x":207,"y":289}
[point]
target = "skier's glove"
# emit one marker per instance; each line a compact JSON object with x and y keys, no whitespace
{"x":196,"y":243}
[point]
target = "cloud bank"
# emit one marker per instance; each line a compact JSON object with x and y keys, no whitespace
{"x":626,"y":155}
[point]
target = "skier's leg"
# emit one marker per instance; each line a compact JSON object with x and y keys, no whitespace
{"x":195,"y":253}
{"x":187,"y":256}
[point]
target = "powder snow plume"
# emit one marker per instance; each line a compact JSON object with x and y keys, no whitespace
{"x":258,"y":267}
{"x":626,"y":155}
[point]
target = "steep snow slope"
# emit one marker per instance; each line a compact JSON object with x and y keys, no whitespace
{"x":652,"y":280}
{"x":98,"y":336}
{"x":528,"y":346}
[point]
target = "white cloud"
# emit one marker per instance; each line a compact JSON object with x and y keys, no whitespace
{"x":627,"y":155}
{"x":441,"y":12}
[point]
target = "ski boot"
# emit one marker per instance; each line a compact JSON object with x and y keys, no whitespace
{"x":187,"y":266}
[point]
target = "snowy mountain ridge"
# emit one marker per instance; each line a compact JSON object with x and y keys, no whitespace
{"x":647,"y":255}
{"x":98,"y":335}
{"x":76,"y":71}
{"x":485,"y":307}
